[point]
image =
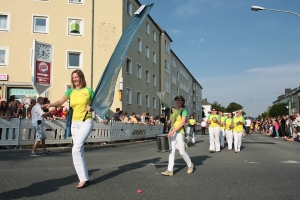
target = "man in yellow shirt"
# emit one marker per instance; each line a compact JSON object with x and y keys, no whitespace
{"x":214,"y":131}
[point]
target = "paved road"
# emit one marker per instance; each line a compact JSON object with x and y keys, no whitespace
{"x":266,"y":168}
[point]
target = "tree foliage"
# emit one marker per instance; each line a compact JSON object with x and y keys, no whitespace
{"x":278,"y":110}
{"x":218,"y":106}
{"x":234,"y":107}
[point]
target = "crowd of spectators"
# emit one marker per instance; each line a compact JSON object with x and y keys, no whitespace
{"x":286,"y":127}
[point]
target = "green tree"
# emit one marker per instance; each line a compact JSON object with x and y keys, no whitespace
{"x":278,"y":110}
{"x":234,"y":107}
{"x":218,"y":106}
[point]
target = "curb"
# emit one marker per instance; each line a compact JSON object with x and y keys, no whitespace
{"x":68,"y":148}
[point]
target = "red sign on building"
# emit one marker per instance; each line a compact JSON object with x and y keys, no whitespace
{"x":43,"y":72}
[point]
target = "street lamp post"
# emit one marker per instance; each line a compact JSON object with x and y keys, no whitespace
{"x":258,"y":8}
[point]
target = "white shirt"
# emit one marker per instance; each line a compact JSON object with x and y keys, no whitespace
{"x":36,"y":114}
{"x":203,"y":123}
{"x":298,"y":119}
{"x":248,"y":121}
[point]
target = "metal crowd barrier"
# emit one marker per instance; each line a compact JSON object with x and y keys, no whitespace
{"x":21,"y":132}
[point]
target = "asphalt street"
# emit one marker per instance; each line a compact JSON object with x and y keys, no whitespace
{"x":266,"y":168}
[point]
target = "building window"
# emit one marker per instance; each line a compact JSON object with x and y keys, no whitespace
{"x":76,"y":1}
{"x":147,"y":52}
{"x":139,"y":72}
{"x":147,"y":28}
{"x":154,"y":57}
{"x":139,"y":44}
{"x":75,"y":26}
{"x":40,"y":24}
{"x":167,"y":67}
{"x":147,"y":76}
{"x":4,"y":52}
{"x":128,"y":95}
{"x":154,"y":35}
{"x":4,"y":22}
{"x":74,"y":59}
{"x":139,"y":98}
{"x":154,"y":102}
{"x":129,"y":8}
{"x":154,"y":80}
{"x":147,"y":101}
{"x":128,"y":66}
{"x":167,"y":86}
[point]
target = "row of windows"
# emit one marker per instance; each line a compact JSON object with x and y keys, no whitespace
{"x":40,"y":24}
{"x":147,"y":50}
{"x":139,"y":99}
{"x":139,"y":72}
{"x":74,"y":58}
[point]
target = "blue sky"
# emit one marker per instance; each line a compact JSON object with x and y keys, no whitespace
{"x":237,"y":55}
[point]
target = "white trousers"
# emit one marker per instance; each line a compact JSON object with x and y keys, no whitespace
{"x":237,"y":140}
{"x":229,"y":136}
{"x":222,"y":137}
{"x":80,"y":132}
{"x":214,"y":138}
{"x":177,"y":141}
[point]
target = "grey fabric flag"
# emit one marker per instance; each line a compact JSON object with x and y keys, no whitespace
{"x":104,"y":93}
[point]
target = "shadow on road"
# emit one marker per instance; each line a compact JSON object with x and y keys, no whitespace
{"x":124,"y":168}
{"x":41,"y":188}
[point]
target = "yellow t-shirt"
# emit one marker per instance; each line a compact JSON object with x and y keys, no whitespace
{"x":228,"y":122}
{"x":79,"y":99}
{"x":238,"y":127}
{"x":177,"y":121}
{"x":222,"y":121}
{"x":192,"y":122}
{"x":212,"y":122}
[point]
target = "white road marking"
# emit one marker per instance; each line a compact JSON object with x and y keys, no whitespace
{"x":290,"y":161}
{"x":250,"y":162}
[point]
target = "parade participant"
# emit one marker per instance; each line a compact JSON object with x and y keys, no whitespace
{"x":222,"y":133}
{"x":192,"y":125}
{"x":214,"y":131}
{"x":176,"y":135}
{"x":80,"y":97}
{"x":38,"y":122}
{"x":203,"y":127}
{"x":238,"y":129}
{"x":247,"y":126}
{"x":228,"y":130}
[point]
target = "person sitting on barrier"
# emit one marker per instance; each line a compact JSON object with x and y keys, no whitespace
{"x":125,"y":118}
{"x":4,"y":112}
{"x":133,"y":119}
{"x":17,"y":109}
{"x":116,"y":115}
{"x":176,"y":136}
{"x":58,"y":113}
{"x":38,"y":115}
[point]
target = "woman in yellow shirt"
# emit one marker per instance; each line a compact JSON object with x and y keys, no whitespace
{"x":214,"y":131}
{"x":228,"y":130}
{"x":192,"y":125}
{"x":176,"y":136}
{"x":238,"y":130}
{"x":82,"y":123}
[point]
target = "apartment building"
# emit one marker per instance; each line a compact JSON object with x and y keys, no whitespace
{"x":83,"y":35}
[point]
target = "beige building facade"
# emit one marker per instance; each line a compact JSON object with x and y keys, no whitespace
{"x":83,"y":35}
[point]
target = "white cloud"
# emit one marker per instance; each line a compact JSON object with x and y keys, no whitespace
{"x":176,"y":31}
{"x":251,"y":87}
